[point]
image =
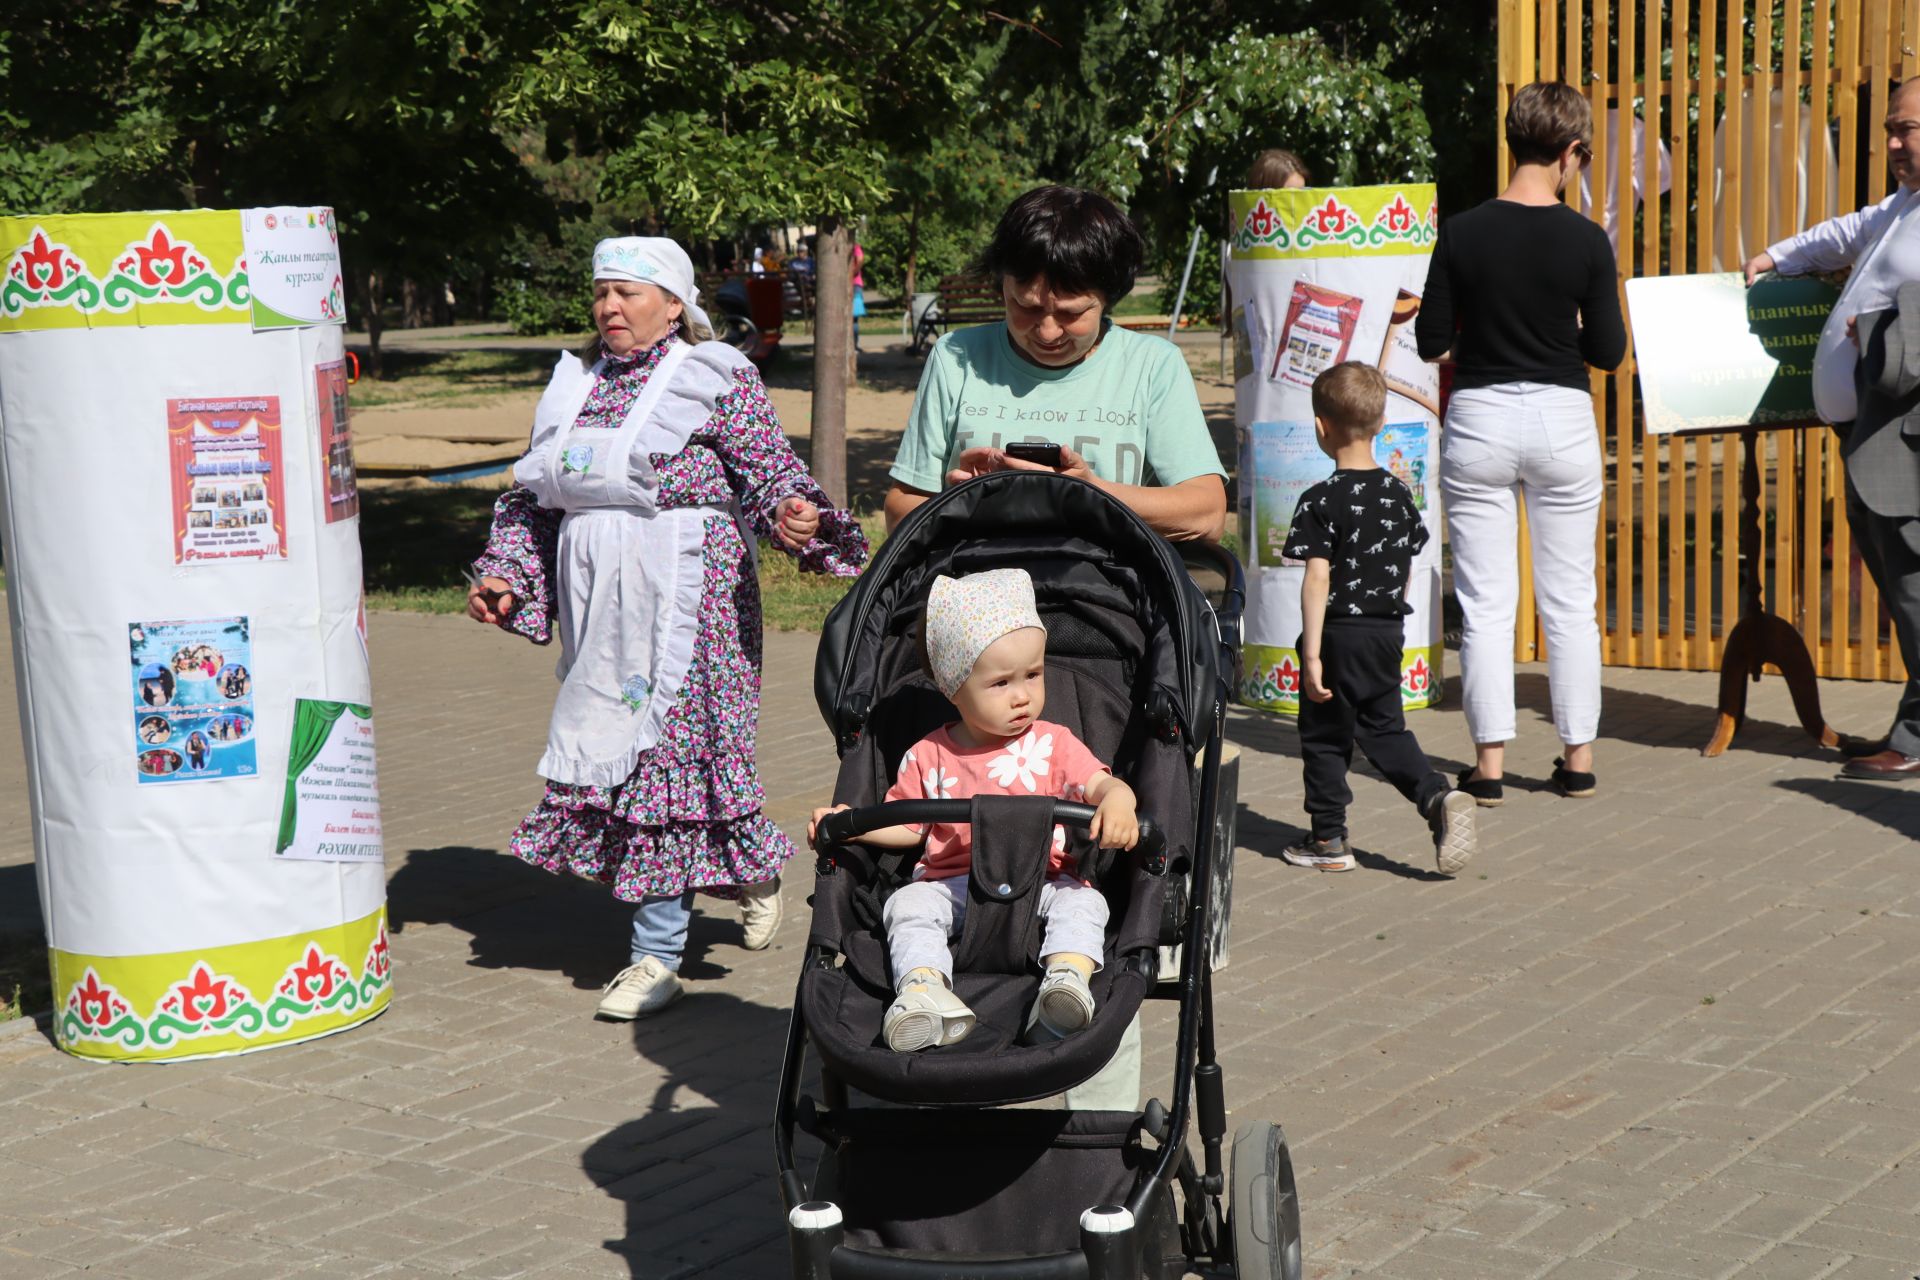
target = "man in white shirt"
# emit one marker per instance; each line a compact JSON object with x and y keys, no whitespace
{"x":1882,"y":245}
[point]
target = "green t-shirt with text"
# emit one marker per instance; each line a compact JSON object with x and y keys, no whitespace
{"x":1129,"y":409}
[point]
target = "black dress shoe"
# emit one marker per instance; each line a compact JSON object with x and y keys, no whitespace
{"x":1853,"y":748}
{"x":1887,"y":766}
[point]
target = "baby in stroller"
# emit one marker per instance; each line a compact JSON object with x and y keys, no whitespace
{"x":984,"y":646}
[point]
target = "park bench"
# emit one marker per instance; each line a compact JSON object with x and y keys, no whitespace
{"x":960,"y":300}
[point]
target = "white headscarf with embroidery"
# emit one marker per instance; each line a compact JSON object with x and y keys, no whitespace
{"x":653,"y":260}
{"x":965,"y":615}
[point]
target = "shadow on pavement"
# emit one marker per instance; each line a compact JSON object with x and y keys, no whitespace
{"x":19,"y":900}
{"x":520,"y":917}
{"x":696,"y":1171}
{"x":1891,"y":804}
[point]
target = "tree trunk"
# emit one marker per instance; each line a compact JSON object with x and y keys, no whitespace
{"x":832,"y":351}
{"x":373,"y":324}
{"x":913,"y":255}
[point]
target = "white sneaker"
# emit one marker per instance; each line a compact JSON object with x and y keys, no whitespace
{"x":925,"y":1013}
{"x":639,"y":990}
{"x":1064,"y":1005}
{"x":760,"y":914}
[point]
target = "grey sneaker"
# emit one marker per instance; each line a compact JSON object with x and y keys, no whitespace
{"x":1321,"y":855}
{"x":639,"y":990}
{"x":1454,"y":835}
{"x":760,"y":913}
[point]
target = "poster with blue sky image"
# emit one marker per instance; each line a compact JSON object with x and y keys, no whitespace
{"x":192,"y":700}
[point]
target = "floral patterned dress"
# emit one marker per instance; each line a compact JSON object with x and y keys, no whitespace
{"x":689,"y":816}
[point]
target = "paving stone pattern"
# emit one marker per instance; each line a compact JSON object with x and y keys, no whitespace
{"x":1671,"y":1031}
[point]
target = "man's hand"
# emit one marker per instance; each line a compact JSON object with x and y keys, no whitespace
{"x":1758,"y":265}
{"x":1313,"y":680}
{"x":975,"y":462}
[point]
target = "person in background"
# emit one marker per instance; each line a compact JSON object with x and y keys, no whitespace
{"x":1882,"y":245}
{"x":1522,"y":296}
{"x":1277,"y":168}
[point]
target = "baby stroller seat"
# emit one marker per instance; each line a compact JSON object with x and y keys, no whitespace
{"x":1095,"y":679}
{"x":1135,"y":667}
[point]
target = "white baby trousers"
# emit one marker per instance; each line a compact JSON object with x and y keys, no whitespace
{"x":921,"y":917}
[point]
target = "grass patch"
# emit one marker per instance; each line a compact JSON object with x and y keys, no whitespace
{"x":414,"y":375}
{"x":414,"y":540}
{"x":26,"y":985}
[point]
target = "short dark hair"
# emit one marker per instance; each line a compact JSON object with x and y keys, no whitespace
{"x":1272,"y":168}
{"x":1351,"y":397}
{"x":1544,"y":118}
{"x":1080,"y":241}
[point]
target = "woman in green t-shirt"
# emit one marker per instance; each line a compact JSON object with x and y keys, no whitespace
{"x":1121,"y":405}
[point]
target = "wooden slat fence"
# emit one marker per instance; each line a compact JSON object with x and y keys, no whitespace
{"x":1770,"y":113}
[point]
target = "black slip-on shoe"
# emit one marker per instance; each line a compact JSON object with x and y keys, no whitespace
{"x":1572,"y":783}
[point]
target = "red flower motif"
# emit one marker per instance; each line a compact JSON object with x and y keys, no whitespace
{"x":1262,"y":220}
{"x":1331,"y":218}
{"x":46,"y":266}
{"x":162,"y":262}
{"x":203,"y":997}
{"x":313,"y":979}
{"x":1399,"y":215}
{"x":1287,"y":676}
{"x":93,"y":1002}
{"x":378,"y":959}
{"x":1418,"y":676}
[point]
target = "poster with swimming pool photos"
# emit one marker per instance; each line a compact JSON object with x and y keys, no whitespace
{"x":193,"y":700}
{"x":1282,"y":460}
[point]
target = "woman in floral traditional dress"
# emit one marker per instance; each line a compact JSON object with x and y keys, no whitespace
{"x":655,"y":463}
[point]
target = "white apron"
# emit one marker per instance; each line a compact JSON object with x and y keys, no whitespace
{"x":628,"y":575}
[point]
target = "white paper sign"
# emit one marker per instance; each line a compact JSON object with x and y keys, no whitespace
{"x":293,"y":266}
{"x":332,"y":807}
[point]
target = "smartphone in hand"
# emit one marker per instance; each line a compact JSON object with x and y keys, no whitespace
{"x":1045,"y":455}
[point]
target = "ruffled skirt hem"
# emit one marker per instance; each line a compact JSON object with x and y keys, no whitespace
{"x":636,"y":861}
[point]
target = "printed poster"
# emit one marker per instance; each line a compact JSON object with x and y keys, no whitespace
{"x":332,"y":808}
{"x":1284,"y":460}
{"x":192,"y":700}
{"x":336,"y":441}
{"x":229,"y":496}
{"x":1400,"y":362}
{"x":1318,"y":331}
{"x":293,"y":266}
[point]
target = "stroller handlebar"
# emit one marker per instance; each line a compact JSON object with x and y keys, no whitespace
{"x":845,"y":825}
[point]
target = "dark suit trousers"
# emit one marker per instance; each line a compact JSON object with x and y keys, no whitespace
{"x":1360,"y":660}
{"x":1890,"y":546}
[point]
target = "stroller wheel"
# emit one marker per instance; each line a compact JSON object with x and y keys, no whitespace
{"x":1264,"y":1207}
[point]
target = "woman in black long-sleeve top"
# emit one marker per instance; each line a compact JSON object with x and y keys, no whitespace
{"x":1522,"y":296}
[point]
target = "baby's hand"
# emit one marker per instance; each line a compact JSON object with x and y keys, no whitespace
{"x":813,"y":823}
{"x":1116,"y":824}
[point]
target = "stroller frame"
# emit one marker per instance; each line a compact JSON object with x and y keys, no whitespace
{"x":1242,"y":1222}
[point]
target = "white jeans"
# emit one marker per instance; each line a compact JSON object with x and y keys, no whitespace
{"x":1500,"y":442}
{"x":921,"y":917}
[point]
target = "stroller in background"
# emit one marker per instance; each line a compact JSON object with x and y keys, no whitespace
{"x":967,"y":1182}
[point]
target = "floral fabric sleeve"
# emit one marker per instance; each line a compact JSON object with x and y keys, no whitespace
{"x":520,"y":550}
{"x":764,"y":471}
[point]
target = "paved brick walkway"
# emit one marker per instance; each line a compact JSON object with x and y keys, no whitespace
{"x":1515,"y":1074}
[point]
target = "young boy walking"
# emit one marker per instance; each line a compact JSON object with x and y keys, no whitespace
{"x":1358,"y":531}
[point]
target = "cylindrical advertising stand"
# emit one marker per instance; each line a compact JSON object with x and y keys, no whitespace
{"x":1319,"y":276}
{"x":183,"y":575}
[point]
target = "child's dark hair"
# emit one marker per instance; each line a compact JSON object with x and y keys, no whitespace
{"x":1351,"y":398}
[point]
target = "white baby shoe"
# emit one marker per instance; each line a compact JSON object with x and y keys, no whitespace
{"x":1064,"y":1005}
{"x":923,"y":1014}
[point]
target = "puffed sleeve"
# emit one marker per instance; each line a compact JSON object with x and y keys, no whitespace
{"x":764,"y":471}
{"x":520,"y":551}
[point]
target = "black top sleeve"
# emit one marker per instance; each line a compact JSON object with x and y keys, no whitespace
{"x":1433,"y":326}
{"x":1603,"y":334}
{"x":1310,"y":537}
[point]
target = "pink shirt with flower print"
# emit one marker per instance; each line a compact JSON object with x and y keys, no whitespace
{"x":1047,"y":760}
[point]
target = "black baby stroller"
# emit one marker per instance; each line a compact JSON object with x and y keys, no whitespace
{"x":966,"y":1183}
